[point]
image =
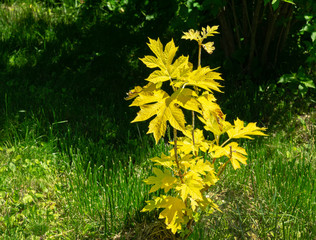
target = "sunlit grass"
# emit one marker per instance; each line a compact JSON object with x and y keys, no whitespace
{"x":273,"y":197}
{"x":46,"y":193}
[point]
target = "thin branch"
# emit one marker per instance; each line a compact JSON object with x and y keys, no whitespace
{"x":253,"y":33}
{"x":269,"y":32}
{"x":236,"y":23}
{"x":246,"y":21}
{"x":227,"y":39}
{"x":193,"y":113}
{"x":285,"y":32}
{"x":175,"y":140}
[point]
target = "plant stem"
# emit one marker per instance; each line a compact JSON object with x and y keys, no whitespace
{"x":176,"y":153}
{"x":193,"y":113}
{"x":222,"y":168}
{"x":193,"y":126}
{"x":199,"y":57}
{"x":225,"y":142}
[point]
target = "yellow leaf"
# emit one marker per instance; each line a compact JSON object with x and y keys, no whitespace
{"x":158,"y":76}
{"x":152,"y":204}
{"x":167,"y":111}
{"x":202,"y":77}
{"x":146,"y":97}
{"x":180,"y":67}
{"x":173,"y":213}
{"x":166,"y":161}
{"x":185,"y":146}
{"x":216,"y":125}
{"x":162,"y":180}
{"x":199,"y":139}
{"x":152,"y":62}
{"x":133,"y":93}
{"x":156,"y":47}
{"x":186,"y":98}
{"x":191,"y":186}
{"x":186,"y":161}
{"x":239,"y":131}
{"x":163,"y":60}
{"x":201,"y":167}
{"x":209,"y":47}
{"x":210,"y":178}
{"x":146,"y":90}
{"x":160,"y":104}
{"x":169,"y":53}
{"x":209,"y":107}
{"x":200,"y":36}
{"x":194,"y":204}
{"x":192,"y":35}
{"x":209,"y":31}
{"x":233,"y":152}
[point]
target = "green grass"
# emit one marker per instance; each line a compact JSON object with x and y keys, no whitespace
{"x":50,"y":194}
{"x":273,"y":197}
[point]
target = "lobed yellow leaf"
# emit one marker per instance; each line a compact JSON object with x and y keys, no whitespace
{"x":133,"y":93}
{"x":180,"y":67}
{"x":209,"y":47}
{"x":192,"y":35}
{"x":146,"y":97}
{"x":202,"y":77}
{"x":156,"y":47}
{"x":210,"y":178}
{"x":200,"y":143}
{"x":158,"y":76}
{"x":164,"y":160}
{"x":166,"y":111}
{"x":186,"y":161}
{"x":173,"y":213}
{"x":215,"y":124}
{"x":191,"y":186}
{"x":201,"y":168}
{"x":233,"y":152}
{"x":169,"y":53}
{"x":163,"y":60}
{"x":194,"y":204}
{"x":163,"y":180}
{"x":200,"y":36}
{"x":186,"y":98}
{"x":152,"y":62}
{"x":209,"y":107}
{"x":209,"y":31}
{"x":239,"y":131}
{"x":152,"y":204}
{"x":159,"y":103}
{"x":185,"y":146}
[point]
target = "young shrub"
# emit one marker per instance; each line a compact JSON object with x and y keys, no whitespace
{"x":184,"y":175}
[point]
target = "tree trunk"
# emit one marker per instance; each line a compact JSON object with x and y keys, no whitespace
{"x":269,"y":33}
{"x":246,"y":26}
{"x":236,"y":24}
{"x":227,"y":39}
{"x":253,"y":30}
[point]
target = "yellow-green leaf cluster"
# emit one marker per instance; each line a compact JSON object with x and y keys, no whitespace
{"x":200,"y":36}
{"x":173,"y":88}
{"x":197,"y":174}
